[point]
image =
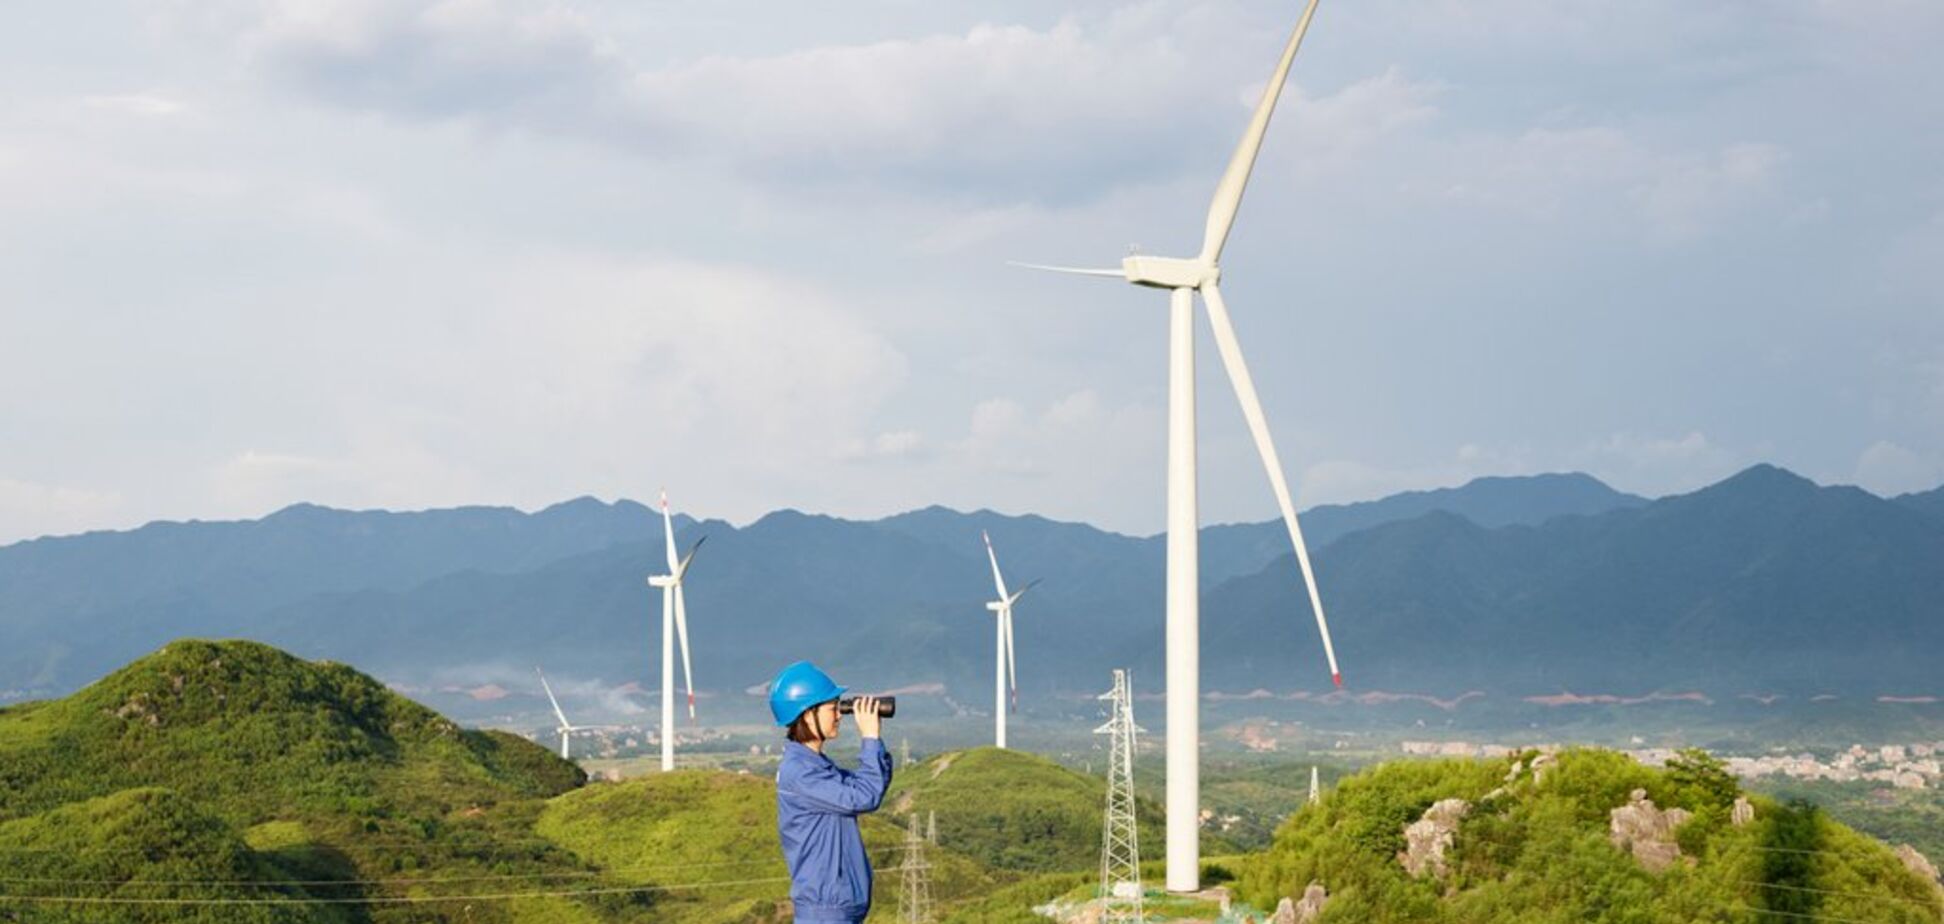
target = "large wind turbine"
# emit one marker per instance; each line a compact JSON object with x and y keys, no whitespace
{"x":674,"y":624}
{"x":566,"y":728}
{"x":1005,"y":675}
{"x":1184,"y":277}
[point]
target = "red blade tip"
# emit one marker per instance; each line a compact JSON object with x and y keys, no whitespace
{"x":1338,"y":678}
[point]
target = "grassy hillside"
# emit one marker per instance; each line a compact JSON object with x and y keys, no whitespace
{"x":719,"y":829}
{"x":254,"y":775}
{"x":1539,"y":851}
{"x":1013,"y":810}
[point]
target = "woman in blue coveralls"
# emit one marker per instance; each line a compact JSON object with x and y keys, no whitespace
{"x":817,"y":802}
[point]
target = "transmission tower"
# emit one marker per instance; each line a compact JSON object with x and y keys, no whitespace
{"x":914,"y":899}
{"x":1120,"y":851}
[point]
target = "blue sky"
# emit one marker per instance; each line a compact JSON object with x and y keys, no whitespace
{"x":411,"y":254}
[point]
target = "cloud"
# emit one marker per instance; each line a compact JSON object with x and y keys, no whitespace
{"x":1658,"y":465}
{"x":148,"y":105}
{"x":992,"y":100}
{"x":1887,"y":469}
{"x":30,"y":509}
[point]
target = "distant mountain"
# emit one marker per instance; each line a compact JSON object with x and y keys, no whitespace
{"x":72,"y":607}
{"x":1232,"y":551}
{"x":1764,"y":581}
{"x":1930,"y":502}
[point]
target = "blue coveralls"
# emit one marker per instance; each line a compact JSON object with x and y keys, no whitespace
{"x":817,"y":804}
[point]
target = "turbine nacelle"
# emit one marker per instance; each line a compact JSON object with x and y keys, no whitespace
{"x":1169,"y":272}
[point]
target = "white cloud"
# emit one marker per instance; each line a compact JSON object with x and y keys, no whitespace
{"x":149,"y":105}
{"x":29,"y":509}
{"x":1888,"y":469}
{"x":1658,"y":465}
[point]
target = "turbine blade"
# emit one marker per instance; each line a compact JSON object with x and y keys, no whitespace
{"x":1020,"y":593}
{"x":1012,"y":673}
{"x":1069,"y":270}
{"x":681,"y":632}
{"x":550,"y":698}
{"x":682,"y":568}
{"x":997,"y":581}
{"x":1245,"y":393}
{"x":668,"y":530}
{"x":1228,"y":193}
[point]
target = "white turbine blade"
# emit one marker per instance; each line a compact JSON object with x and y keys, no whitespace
{"x":997,"y":581}
{"x":1228,"y":194}
{"x":668,"y":530}
{"x":550,"y":698}
{"x":1012,"y":672}
{"x":1245,"y":393}
{"x":681,"y":633}
{"x":1070,"y":270}
{"x":681,"y":568}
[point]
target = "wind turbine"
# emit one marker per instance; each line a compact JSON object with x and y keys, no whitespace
{"x":1184,"y":277}
{"x":566,"y":728}
{"x":1005,"y":675}
{"x":674,"y":624}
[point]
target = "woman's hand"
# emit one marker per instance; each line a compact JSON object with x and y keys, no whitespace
{"x":866,"y":711}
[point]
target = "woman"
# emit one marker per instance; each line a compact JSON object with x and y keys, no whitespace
{"x":817,"y":802}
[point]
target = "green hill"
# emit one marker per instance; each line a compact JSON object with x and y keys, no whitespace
{"x":1538,"y":850}
{"x":1018,"y":811}
{"x":255,"y":776}
{"x":719,"y":829}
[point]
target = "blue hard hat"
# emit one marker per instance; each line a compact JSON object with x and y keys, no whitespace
{"x":797,"y":688}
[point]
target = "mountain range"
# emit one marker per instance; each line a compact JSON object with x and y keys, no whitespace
{"x":1764,"y":582}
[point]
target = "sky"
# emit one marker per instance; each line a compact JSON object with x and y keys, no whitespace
{"x":408,"y":254}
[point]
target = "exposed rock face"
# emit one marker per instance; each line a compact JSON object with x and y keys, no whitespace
{"x":1311,"y":907}
{"x":1518,"y":767}
{"x":1427,"y":839}
{"x":1285,"y":912}
{"x":1916,"y":863}
{"x":1646,"y":832}
{"x":1539,"y":765}
{"x":1743,"y":813}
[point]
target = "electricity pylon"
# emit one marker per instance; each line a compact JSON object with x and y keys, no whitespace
{"x":1120,"y":851}
{"x":914,"y":899}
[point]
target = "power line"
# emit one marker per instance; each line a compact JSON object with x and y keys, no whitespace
{"x":394,"y":899}
{"x":429,"y":880}
{"x":1795,"y":888}
{"x":383,"y":899}
{"x":1807,"y":917}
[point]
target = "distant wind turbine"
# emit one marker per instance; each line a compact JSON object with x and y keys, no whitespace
{"x":1005,"y":677}
{"x":674,"y":625}
{"x":566,"y":728}
{"x":1183,"y":278}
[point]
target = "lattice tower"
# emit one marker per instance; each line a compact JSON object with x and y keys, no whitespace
{"x":1120,"y":851}
{"x":914,"y":898}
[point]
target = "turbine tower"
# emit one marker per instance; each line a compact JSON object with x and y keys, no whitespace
{"x":1316,"y":792}
{"x":566,"y":728}
{"x":1005,"y":677}
{"x":1120,"y":849}
{"x":1183,"y":278}
{"x":674,"y":625}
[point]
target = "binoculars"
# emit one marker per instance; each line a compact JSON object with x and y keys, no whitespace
{"x":887,"y":706}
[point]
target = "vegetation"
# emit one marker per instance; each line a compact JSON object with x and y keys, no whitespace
{"x":228,"y":781}
{"x":1533,"y":850}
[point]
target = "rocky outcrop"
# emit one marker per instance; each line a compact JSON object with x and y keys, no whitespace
{"x":1916,"y":862}
{"x":1743,"y":812}
{"x":1646,"y":832}
{"x":1311,"y":907}
{"x":1539,"y":765}
{"x":1427,"y":839}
